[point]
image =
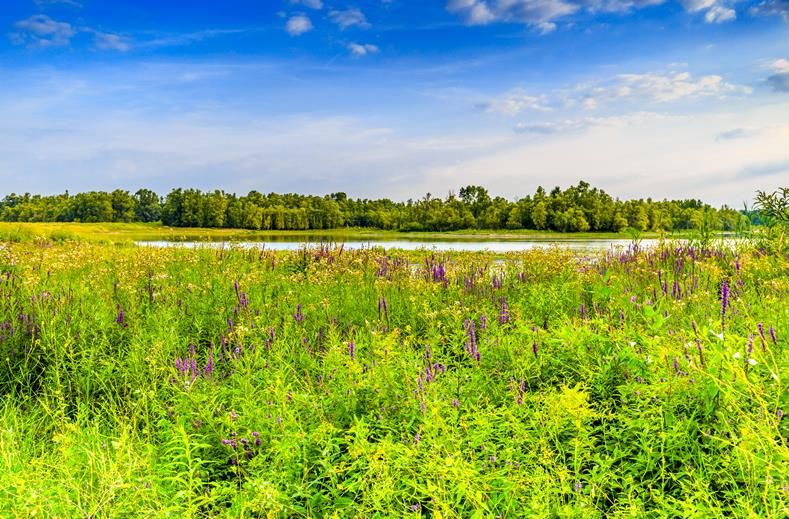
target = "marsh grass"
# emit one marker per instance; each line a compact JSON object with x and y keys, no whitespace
{"x":139,"y":382}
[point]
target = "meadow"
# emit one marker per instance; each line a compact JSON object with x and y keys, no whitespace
{"x":325,"y":382}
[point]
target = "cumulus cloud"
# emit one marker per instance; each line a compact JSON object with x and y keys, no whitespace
{"x":42,"y":31}
{"x":349,"y":18}
{"x":779,"y":80}
{"x":298,"y":25}
{"x":513,"y":103}
{"x":772,"y":8}
{"x":362,"y":49}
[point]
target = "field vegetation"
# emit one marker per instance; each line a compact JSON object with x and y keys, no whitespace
{"x":334,"y":383}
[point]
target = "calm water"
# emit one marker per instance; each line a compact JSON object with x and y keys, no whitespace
{"x":440,"y":245}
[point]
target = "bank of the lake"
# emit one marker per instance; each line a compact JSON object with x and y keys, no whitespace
{"x":143,"y":232}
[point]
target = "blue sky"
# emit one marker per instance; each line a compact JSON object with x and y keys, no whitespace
{"x":396,"y":98}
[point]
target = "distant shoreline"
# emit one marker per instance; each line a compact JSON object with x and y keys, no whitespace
{"x":136,"y":232}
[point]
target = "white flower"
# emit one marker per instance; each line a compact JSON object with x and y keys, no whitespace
{"x":737,"y":355}
{"x":752,"y":362}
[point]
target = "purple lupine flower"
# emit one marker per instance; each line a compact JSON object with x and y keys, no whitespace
{"x":483,"y":322}
{"x":772,"y":335}
{"x":298,"y":317}
{"x":352,"y":350}
{"x":534,"y":348}
{"x":583,"y":311}
{"x":455,"y":403}
{"x":693,"y":325}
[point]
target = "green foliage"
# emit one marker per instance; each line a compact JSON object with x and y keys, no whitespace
{"x":221,"y":382}
{"x":578,"y":208}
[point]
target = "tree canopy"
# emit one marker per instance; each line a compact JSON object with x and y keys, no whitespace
{"x":578,"y":208}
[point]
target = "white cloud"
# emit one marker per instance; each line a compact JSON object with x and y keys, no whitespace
{"x":362,"y":49}
{"x":719,"y":14}
{"x":108,"y":41}
{"x":779,"y":80}
{"x":46,"y":3}
{"x":543,"y":13}
{"x":312,"y":4}
{"x":298,"y":25}
{"x":695,"y":6}
{"x":54,"y":135}
{"x":530,"y":12}
{"x":772,"y":8}
{"x":349,"y":18}
{"x":42,"y":31}
{"x":514,"y":102}
{"x":656,"y":87}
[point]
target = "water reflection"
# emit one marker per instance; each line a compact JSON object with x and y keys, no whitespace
{"x":439,"y":245}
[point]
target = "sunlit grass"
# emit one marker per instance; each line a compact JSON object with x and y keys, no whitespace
{"x":155,"y":382}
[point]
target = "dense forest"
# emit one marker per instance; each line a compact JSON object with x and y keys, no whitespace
{"x":576,"y":209}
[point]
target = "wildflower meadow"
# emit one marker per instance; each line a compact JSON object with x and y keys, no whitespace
{"x":326,"y":382}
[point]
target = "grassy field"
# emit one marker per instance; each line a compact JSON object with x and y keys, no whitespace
{"x":131,"y":232}
{"x":145,"y":382}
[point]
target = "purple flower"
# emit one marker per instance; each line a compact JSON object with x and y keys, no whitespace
{"x":534,"y":348}
{"x":724,"y":298}
{"x":504,"y":314}
{"x":298,"y":317}
{"x":772,"y":335}
{"x":352,"y":350}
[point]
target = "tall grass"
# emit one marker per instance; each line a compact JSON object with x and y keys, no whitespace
{"x":335,"y":383}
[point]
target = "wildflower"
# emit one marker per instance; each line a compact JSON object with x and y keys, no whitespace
{"x":455,"y":403}
{"x":534,"y":348}
{"x":504,"y":314}
{"x":352,"y":350}
{"x":724,"y":299}
{"x":298,"y":317}
{"x":772,"y":335}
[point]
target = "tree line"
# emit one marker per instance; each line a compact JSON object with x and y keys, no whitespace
{"x":578,"y":208}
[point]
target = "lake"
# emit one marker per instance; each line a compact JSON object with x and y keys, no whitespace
{"x":440,"y":245}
